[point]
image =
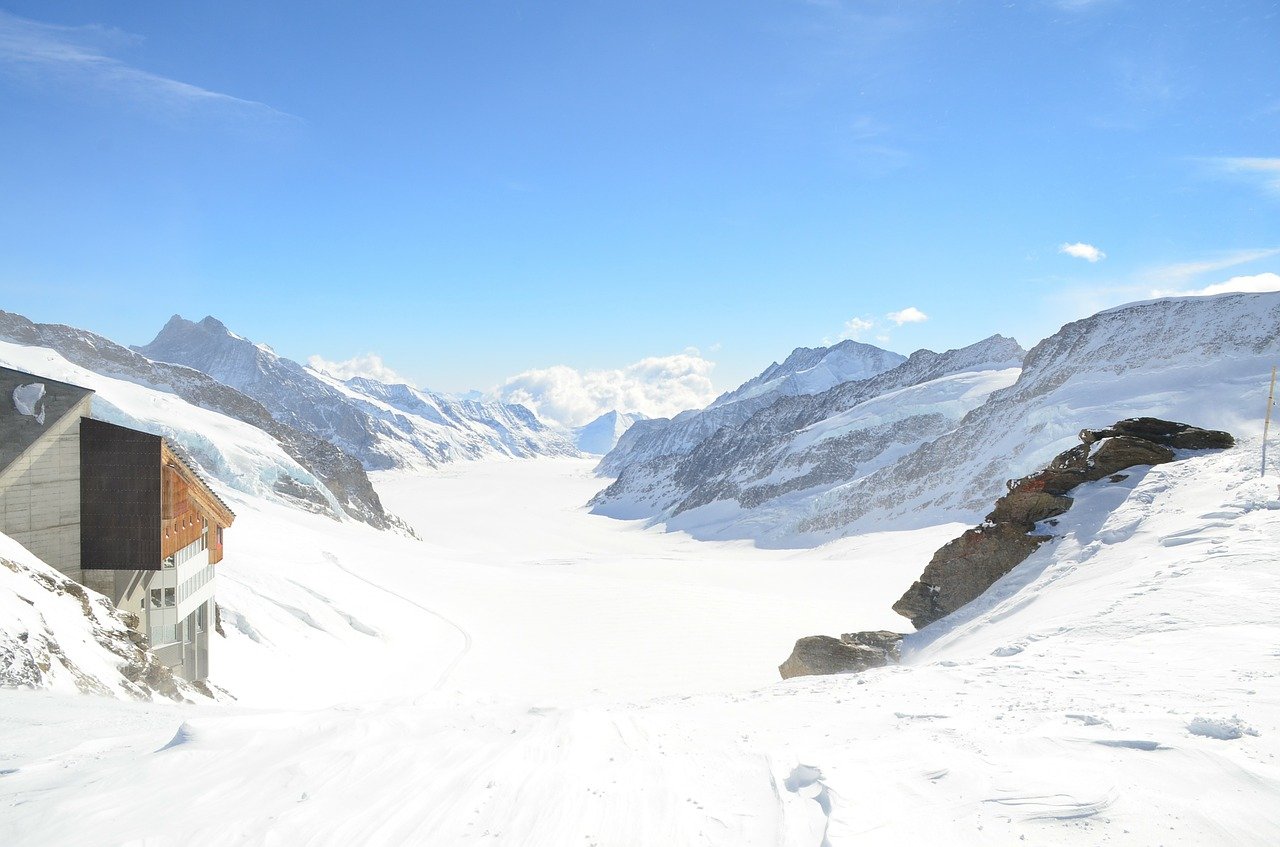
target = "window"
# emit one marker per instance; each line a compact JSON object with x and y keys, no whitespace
{"x":157,"y":598}
{"x":169,"y":598}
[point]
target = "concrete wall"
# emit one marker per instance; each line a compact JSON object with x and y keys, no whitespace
{"x":40,"y":495}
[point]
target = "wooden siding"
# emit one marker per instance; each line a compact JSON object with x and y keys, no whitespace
{"x":189,"y":508}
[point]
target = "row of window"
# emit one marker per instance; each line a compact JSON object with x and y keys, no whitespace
{"x":189,"y":552}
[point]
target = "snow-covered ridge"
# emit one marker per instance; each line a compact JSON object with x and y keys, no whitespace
{"x":751,"y":479}
{"x":811,"y":370}
{"x":384,"y":426}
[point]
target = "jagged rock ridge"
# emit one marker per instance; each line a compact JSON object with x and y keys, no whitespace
{"x":1022,"y":520}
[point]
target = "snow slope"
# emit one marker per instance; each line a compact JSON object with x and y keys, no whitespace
{"x":385,"y":426}
{"x":1119,"y":687}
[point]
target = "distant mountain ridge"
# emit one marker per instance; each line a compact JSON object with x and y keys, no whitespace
{"x":384,"y":426}
{"x":745,"y":479}
{"x":805,"y":371}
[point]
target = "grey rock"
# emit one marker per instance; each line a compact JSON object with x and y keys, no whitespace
{"x":822,"y":654}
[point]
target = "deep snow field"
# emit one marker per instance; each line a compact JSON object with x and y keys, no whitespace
{"x":529,"y":674}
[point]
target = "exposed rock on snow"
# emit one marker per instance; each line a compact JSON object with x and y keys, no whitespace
{"x":344,"y":479}
{"x":57,"y":634}
{"x":967,"y":566}
{"x":852,"y":653}
{"x":384,"y":426}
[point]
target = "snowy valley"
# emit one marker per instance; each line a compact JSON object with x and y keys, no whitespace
{"x":430,"y":637}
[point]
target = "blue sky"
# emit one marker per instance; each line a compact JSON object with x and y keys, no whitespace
{"x":473,"y":189}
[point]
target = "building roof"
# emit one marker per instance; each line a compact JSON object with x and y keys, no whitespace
{"x":30,"y":406}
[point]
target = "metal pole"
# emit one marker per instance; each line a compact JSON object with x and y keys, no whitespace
{"x":1266,"y":426}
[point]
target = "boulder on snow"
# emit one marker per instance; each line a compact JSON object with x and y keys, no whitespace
{"x":822,"y":654}
{"x":965,"y":567}
{"x":1179,"y":436}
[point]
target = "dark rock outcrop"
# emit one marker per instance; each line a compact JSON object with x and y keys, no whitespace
{"x":965,"y":567}
{"x":853,"y":653}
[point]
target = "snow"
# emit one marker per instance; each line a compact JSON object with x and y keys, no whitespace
{"x":1087,"y":699}
{"x":25,"y":398}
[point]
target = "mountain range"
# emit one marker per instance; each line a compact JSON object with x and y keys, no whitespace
{"x":933,"y":438}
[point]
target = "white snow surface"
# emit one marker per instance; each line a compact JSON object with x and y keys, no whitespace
{"x":534,"y":675}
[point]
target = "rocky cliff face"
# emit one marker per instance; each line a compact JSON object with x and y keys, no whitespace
{"x":341,"y":474}
{"x":56,"y":634}
{"x":760,"y":468}
{"x":384,"y":426}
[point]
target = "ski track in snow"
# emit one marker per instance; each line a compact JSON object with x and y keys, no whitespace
{"x":466,"y":636}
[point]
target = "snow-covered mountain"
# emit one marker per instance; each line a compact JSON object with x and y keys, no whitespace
{"x":314,"y":471}
{"x":384,"y":426}
{"x":811,"y":370}
{"x":744,"y":479}
{"x":1200,"y":359}
{"x":601,"y":435}
{"x":806,"y":371}
{"x":906,"y":450}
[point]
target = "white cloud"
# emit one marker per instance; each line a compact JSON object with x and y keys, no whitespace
{"x":1267,"y":170}
{"x":77,"y":57}
{"x":855,"y":328}
{"x":909,"y":315}
{"x":659,"y":386}
{"x":1080,"y":250}
{"x":367,"y":365}
{"x":1255,"y":284}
